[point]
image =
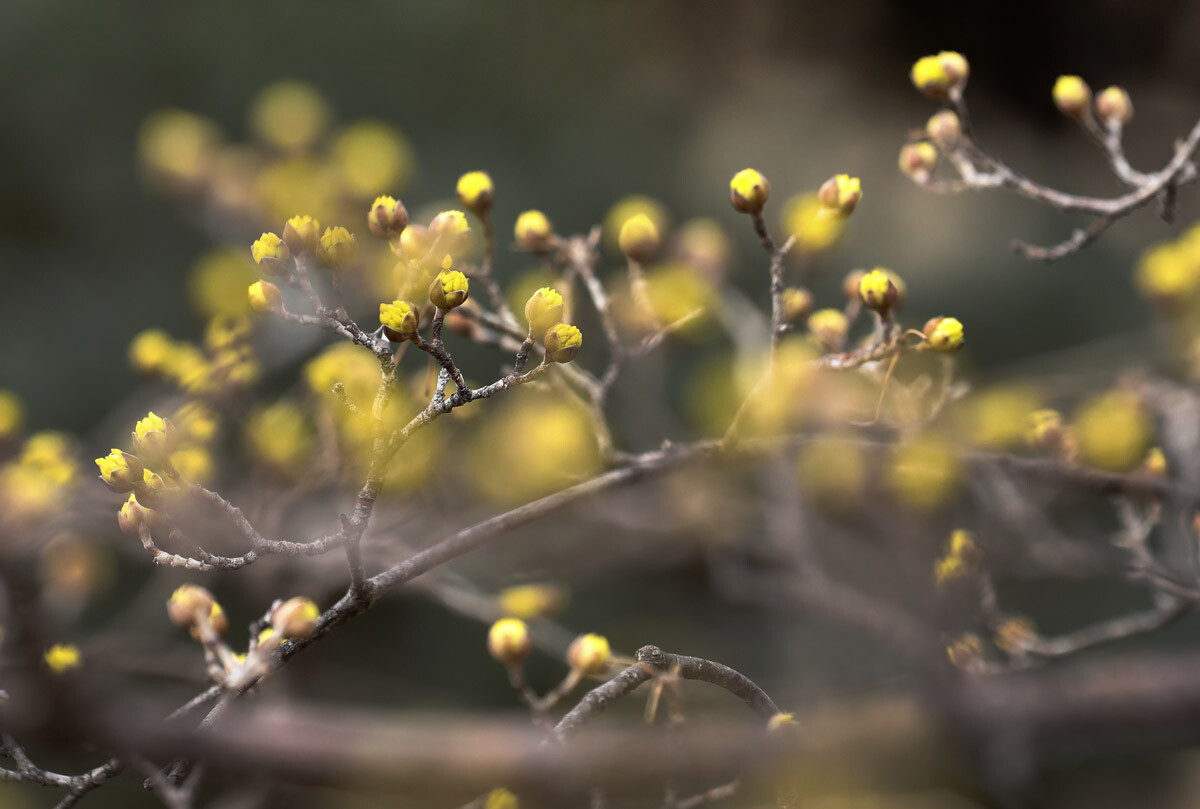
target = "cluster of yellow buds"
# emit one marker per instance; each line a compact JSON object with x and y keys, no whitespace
{"x":544,"y":311}
{"x":961,"y":558}
{"x":509,"y":641}
{"x":32,"y":485}
{"x":938,"y":75}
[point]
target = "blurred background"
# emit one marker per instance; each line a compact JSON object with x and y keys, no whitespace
{"x":572,"y":107}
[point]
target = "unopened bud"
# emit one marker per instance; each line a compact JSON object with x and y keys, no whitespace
{"x":296,"y":618}
{"x":1114,"y":106}
{"x":387,"y":217}
{"x":589,"y":654}
{"x":749,"y":191}
{"x":508,"y":641}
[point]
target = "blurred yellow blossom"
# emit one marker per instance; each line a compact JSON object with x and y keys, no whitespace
{"x":217,"y":282}
{"x":62,"y":657}
{"x":628,"y":207}
{"x":372,"y":158}
{"x":814,"y":227}
{"x":12,"y":414}
{"x":280,"y":435}
{"x":1114,"y":431}
{"x":923,"y":472}
{"x":532,"y":445}
{"x":289,"y":115}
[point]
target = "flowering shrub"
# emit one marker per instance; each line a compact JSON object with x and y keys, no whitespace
{"x":840,"y":411}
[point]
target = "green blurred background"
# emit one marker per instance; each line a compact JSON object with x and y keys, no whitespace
{"x":571,"y":106}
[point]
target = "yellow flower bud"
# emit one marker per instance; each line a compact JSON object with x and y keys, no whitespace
{"x":154,"y":481}
{"x":132,"y":515}
{"x":589,"y":654}
{"x":797,"y":305}
{"x":11,"y":413}
{"x":930,"y":75}
{"x":956,"y":67}
{"x":780,"y":721}
{"x":918,"y":160}
{"x":877,"y":291}
{"x":543,"y":310}
{"x":154,"y":437}
{"x":449,"y":289}
{"x":1114,"y":106}
{"x":387,"y":218}
{"x":296,"y":618}
{"x":337,"y":248}
{"x":300,"y":234}
{"x":1014,"y":634}
{"x":639,"y":238}
{"x":1114,"y":431}
{"x":120,"y":470}
{"x":531,"y":600}
{"x":449,"y":225}
{"x":944,"y":334}
{"x":829,"y":328}
{"x":475,"y":191}
{"x":748,"y":191}
{"x":271,"y":254}
{"x":1154,"y":464}
{"x":188,"y":603}
{"x":150,"y":351}
{"x":1043,"y":428}
{"x":501,"y":798}
{"x":966,"y":652}
{"x":944,"y":129}
{"x":399,"y":319}
{"x":62,"y":657}
{"x":562,"y":342}
{"x":840,"y":194}
{"x":533,"y":231}
{"x":508,"y":641}
{"x":1072,"y":96}
{"x":264,"y":296}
